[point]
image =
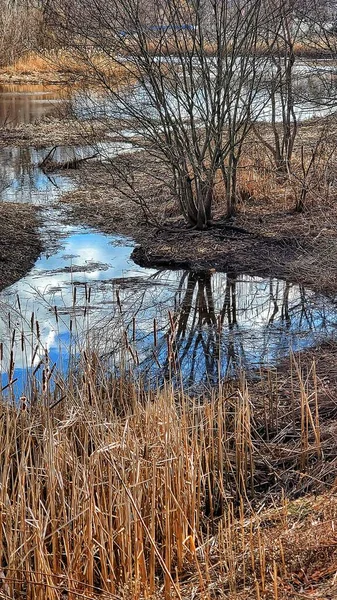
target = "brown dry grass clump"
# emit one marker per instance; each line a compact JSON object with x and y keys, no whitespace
{"x":55,"y":67}
{"x":34,"y":62}
{"x":111,"y":491}
{"x":51,"y":131}
{"x":20,"y":242}
{"x":172,"y":45}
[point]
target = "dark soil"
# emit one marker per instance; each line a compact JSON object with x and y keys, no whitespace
{"x":52,"y":131}
{"x":278,"y":242}
{"x":20,"y":242}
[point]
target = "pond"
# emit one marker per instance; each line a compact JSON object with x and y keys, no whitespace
{"x":314,"y":95}
{"x":88,"y":294}
{"x":85,"y":293}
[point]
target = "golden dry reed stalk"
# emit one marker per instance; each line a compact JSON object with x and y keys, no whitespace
{"x":120,"y":490}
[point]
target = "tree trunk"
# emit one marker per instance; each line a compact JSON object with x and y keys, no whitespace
{"x":196,"y":202}
{"x":231,"y":186}
{"x":204,"y":201}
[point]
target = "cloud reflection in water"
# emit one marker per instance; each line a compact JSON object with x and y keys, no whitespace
{"x":207,"y":324}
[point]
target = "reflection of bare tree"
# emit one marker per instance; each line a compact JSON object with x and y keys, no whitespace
{"x":20,"y":175}
{"x":193,"y":329}
{"x":223,"y":323}
{"x":198,"y":326}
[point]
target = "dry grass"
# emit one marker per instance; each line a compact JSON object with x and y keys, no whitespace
{"x":258,"y":179}
{"x":61,"y":67}
{"x":53,"y":130}
{"x":109,"y":490}
{"x":34,"y":62}
{"x":306,"y":48}
{"x":57,"y":66}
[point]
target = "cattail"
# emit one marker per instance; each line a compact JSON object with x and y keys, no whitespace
{"x":155,"y":336}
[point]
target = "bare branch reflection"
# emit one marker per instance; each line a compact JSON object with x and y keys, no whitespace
{"x":211,"y":325}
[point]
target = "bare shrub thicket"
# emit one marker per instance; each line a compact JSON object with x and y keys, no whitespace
{"x":198,"y":78}
{"x":195,"y":70}
{"x":284,"y":29}
{"x":21,"y":25}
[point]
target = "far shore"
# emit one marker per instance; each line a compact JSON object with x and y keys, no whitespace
{"x":59,"y":67}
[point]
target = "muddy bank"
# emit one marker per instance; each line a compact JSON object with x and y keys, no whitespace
{"x":52,"y":131}
{"x":300,"y":257}
{"x":278,"y":242}
{"x":13,"y":77}
{"x":20,"y":241}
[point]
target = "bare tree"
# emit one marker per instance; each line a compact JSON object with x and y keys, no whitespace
{"x":296,"y":89}
{"x":285,"y":29}
{"x":194,"y":69}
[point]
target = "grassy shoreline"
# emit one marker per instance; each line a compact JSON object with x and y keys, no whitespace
{"x":267,"y":237}
{"x":67,"y":67}
{"x":53,"y":130}
{"x":55,"y":67}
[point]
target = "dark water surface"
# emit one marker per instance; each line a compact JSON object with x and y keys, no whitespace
{"x":27,"y":103}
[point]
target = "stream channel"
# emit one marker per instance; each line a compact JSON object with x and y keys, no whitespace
{"x":85,"y":292}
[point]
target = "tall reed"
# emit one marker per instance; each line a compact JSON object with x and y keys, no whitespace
{"x":130,"y":491}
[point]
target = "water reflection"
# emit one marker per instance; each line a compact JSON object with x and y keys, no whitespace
{"x":21,"y":180}
{"x":51,"y":309}
{"x":314,"y":94}
{"x":206,"y":325}
{"x":221,"y":323}
{"x":27,"y":103}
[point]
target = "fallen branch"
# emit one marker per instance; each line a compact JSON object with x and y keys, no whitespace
{"x":48,"y":165}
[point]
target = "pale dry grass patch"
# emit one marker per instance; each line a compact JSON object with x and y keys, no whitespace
{"x":34,"y":62}
{"x":63,"y":62}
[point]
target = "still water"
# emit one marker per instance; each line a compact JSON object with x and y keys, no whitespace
{"x":22,"y":180}
{"x":314,"y":93}
{"x":85,"y":293}
{"x":89,"y":294}
{"x":27,"y":103}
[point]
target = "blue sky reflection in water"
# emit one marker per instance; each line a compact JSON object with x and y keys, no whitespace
{"x":21,"y":180}
{"x":246,"y":321}
{"x":243,"y":321}
{"x":85,"y":257}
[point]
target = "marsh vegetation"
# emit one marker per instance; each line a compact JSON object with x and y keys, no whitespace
{"x":168,"y":187}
